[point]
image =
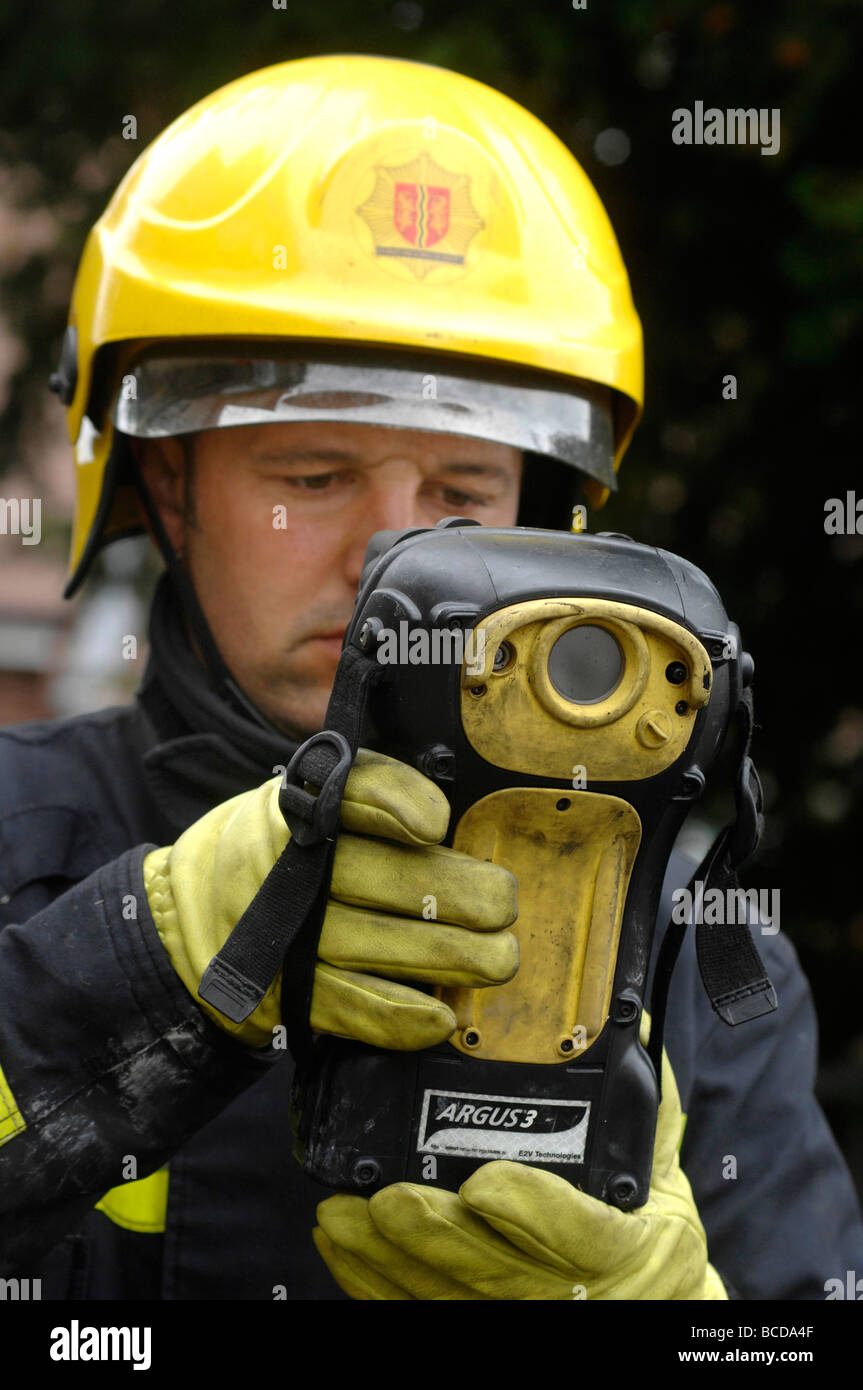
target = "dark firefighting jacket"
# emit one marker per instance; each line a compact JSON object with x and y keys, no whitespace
{"x":145,"y":1154}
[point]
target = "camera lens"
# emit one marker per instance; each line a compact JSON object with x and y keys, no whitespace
{"x":585,"y":664}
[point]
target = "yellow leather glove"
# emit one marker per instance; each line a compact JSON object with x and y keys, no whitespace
{"x":516,"y":1232}
{"x":374,"y":932}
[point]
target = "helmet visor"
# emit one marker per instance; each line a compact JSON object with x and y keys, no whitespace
{"x":179,"y":394}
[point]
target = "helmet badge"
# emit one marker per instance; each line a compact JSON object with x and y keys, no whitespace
{"x":421,"y":215}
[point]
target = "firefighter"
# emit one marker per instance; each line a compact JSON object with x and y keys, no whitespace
{"x":339,"y":295}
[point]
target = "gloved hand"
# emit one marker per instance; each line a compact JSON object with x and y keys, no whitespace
{"x":374,"y":932}
{"x":516,"y":1232}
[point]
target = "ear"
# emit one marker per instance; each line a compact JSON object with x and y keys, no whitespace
{"x":163,"y":467}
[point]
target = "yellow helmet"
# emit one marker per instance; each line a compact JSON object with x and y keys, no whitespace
{"x":319,"y":211}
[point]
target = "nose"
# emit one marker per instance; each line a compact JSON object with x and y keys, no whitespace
{"x":391,"y":503}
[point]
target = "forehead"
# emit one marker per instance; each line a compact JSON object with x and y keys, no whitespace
{"x":360,"y":444}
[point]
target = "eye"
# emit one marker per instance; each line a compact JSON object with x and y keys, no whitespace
{"x":312,"y":482}
{"x":455,"y":497}
{"x":316,"y":481}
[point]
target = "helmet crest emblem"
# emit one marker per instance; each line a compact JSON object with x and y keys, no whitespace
{"x":421,"y":214}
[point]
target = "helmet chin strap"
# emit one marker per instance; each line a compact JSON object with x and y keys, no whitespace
{"x":223,"y":682}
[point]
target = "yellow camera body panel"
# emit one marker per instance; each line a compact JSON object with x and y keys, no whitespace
{"x":636,"y":731}
{"x":572,"y":856}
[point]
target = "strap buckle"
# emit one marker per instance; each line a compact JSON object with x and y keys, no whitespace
{"x":312,"y":819}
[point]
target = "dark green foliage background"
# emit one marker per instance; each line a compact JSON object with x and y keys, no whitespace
{"x":740,"y":263}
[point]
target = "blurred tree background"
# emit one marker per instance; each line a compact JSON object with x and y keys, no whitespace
{"x":741,"y":263}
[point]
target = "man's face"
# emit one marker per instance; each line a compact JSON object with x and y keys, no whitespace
{"x":281,"y":519}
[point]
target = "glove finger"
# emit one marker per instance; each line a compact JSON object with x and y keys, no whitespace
{"x":412,"y":950}
{"x":553,"y":1222}
{"x":377,"y":1012}
{"x":346,"y":1222}
{"x":669,"y":1120}
{"x":713,"y":1289}
{"x":437,"y":1229}
{"x":669,"y":1130}
{"x":385,"y":797}
{"x":459,"y":889}
{"x":353,"y":1276}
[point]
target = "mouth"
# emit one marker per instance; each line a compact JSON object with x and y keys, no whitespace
{"x":332,"y":640}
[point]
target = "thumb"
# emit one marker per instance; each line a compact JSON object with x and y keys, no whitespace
{"x":553,"y":1222}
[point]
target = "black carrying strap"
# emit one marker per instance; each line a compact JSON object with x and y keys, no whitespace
{"x":282,"y":923}
{"x":731,"y":969}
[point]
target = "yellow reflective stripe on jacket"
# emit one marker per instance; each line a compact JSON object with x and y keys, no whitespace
{"x":12,"y":1122}
{"x":140,"y":1205}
